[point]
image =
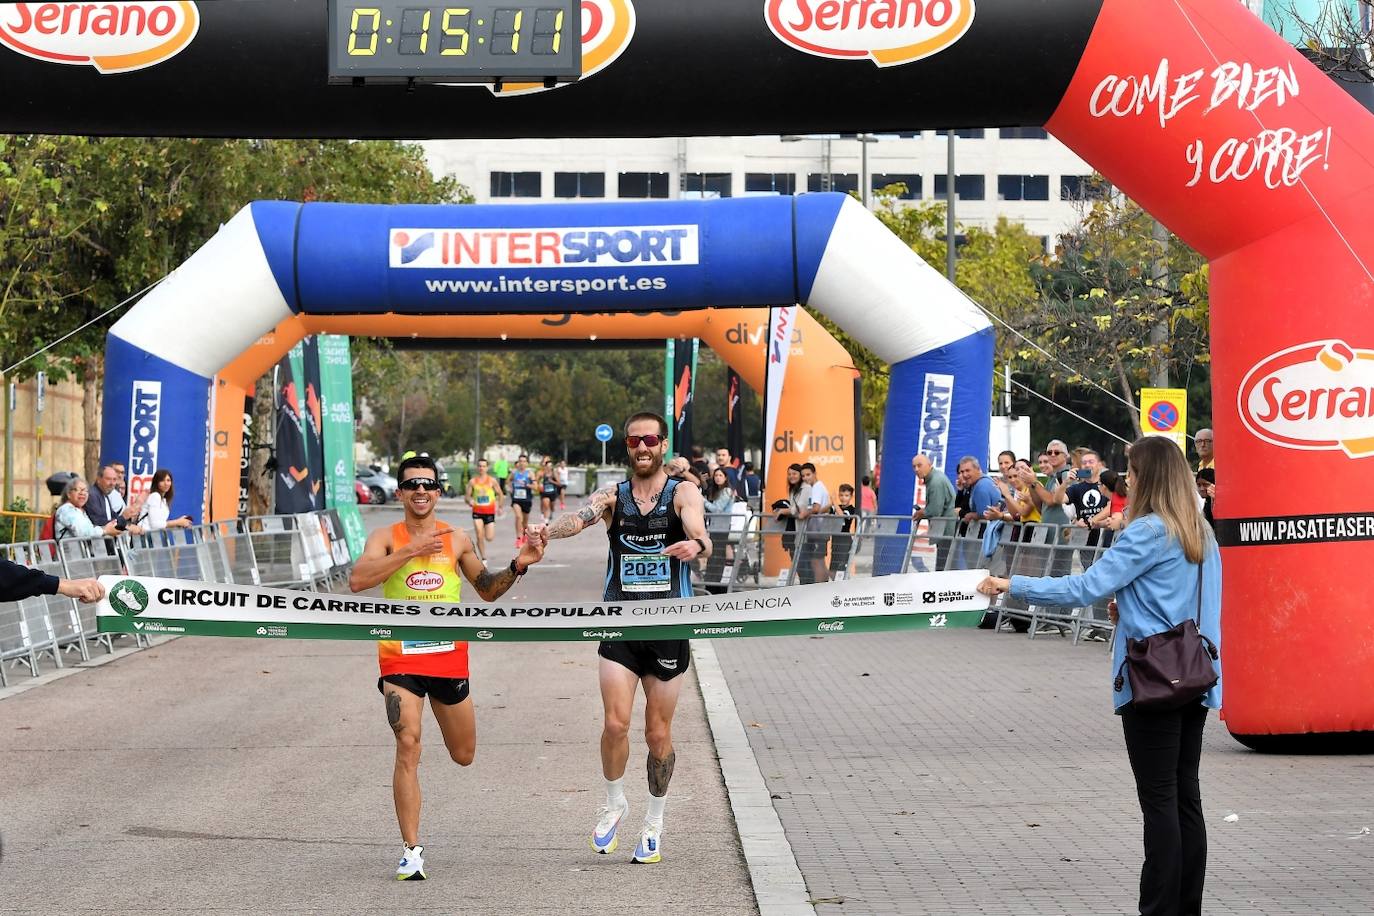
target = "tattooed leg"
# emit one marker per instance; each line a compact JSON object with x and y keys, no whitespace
{"x":403,"y":715}
{"x":660,"y":773}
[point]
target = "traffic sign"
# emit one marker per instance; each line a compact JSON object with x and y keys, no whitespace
{"x":604,"y":432}
{"x":1164,"y":412}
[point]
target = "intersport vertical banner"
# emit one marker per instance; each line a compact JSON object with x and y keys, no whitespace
{"x":781,"y":320}
{"x":336,"y":417}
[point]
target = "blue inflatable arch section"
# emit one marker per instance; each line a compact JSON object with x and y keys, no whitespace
{"x":275,"y":259}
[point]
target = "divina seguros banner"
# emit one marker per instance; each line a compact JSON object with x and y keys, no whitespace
{"x":183,"y":608}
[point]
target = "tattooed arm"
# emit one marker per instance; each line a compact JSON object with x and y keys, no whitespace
{"x":492,"y":585}
{"x":598,"y":506}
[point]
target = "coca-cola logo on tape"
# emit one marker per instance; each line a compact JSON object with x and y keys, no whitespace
{"x":112,"y":37}
{"x":1317,"y":396}
{"x":424,"y":581}
{"x":890,"y":32}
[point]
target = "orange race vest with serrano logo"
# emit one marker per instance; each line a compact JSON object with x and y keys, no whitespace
{"x":430,"y":578}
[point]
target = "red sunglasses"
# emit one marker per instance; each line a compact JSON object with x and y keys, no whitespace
{"x":649,"y":441}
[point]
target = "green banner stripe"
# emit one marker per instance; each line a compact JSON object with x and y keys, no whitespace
{"x":171,"y":626}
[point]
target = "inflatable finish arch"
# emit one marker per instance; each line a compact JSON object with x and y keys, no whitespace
{"x":1195,"y":108}
{"x":400,"y":270}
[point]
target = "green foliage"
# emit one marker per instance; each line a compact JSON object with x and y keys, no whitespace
{"x":1108,"y":320}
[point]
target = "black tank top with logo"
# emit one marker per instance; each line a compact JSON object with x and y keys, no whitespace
{"x":637,"y":567}
{"x":548,"y":486}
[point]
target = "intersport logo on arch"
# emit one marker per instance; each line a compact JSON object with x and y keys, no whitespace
{"x":111,"y":37}
{"x":889,"y":32}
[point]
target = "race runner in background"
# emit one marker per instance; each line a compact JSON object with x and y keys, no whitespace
{"x":656,"y":528}
{"x":484,"y":496}
{"x":419,"y":559}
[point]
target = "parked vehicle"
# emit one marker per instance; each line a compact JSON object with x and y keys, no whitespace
{"x":363,"y":494}
{"x":381,"y":486}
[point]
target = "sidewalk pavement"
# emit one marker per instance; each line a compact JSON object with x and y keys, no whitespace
{"x":977,"y":772}
{"x":254,"y":776}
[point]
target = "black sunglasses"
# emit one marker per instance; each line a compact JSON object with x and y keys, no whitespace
{"x":649,"y":441}
{"x":417,"y":483}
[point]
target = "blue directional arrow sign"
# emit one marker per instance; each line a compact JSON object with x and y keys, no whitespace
{"x":604,"y":432}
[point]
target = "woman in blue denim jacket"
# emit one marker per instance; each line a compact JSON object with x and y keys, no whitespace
{"x":1153,"y":568}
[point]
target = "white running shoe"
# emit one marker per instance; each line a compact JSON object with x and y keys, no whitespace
{"x":412,"y":867}
{"x":606,"y":835}
{"x":648,"y":851}
{"x":129,"y":598}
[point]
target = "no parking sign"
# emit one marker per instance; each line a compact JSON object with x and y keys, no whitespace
{"x":1164,"y":412}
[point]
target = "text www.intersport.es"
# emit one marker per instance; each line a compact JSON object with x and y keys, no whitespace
{"x":579,"y":287}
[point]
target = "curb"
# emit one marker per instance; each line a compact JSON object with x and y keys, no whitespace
{"x":779,"y":888}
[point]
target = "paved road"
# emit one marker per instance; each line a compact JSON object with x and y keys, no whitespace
{"x":218,"y":775}
{"x":971,"y":772}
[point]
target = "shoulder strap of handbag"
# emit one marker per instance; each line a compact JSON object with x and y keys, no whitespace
{"x":1198,"y":619}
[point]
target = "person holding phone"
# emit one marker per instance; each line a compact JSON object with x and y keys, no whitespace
{"x":157,"y":509}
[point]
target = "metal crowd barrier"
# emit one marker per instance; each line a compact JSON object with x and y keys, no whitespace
{"x":829,"y":547}
{"x":303,"y":551}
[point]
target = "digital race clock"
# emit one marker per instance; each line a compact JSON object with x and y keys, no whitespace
{"x":472,"y":41}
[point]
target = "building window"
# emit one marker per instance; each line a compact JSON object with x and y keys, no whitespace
{"x":1023,"y":187}
{"x":836,"y":181}
{"x":1023,"y":133}
{"x":515,"y":184}
{"x":579,"y":184}
{"x":966,"y":187}
{"x":1083,"y":187}
{"x":706,"y":184}
{"x":912,"y":182}
{"x":644,"y":184}
{"x":973,"y":133}
{"x":775,"y":182}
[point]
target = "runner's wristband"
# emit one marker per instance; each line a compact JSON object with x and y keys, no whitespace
{"x":701,"y":544}
{"x":515,"y":569}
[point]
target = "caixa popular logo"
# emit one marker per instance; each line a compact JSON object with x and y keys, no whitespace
{"x":424,"y":581}
{"x":889,"y":32}
{"x":525,"y":249}
{"x":111,"y":37}
{"x":1317,"y":396}
{"x":145,"y":421}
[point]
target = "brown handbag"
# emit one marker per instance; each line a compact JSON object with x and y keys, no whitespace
{"x":1172,"y":668}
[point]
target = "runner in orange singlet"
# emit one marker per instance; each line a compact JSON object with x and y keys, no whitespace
{"x":419,"y":559}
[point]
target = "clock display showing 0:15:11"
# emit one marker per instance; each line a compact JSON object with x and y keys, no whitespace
{"x":448,"y":31}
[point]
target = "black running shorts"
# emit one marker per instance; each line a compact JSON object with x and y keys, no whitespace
{"x":665,"y":659}
{"x":447,"y":690}
{"x":524,"y":504}
{"x":488,"y":517}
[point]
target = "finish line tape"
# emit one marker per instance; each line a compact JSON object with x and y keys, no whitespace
{"x":901,"y":602}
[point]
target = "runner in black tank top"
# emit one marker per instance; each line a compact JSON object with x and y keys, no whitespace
{"x":638,"y":569}
{"x":656,"y":528}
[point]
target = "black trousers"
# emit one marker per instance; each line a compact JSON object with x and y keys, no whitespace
{"x":1165,"y":749}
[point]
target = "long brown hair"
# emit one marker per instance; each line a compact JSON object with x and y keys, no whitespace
{"x":1162,"y":484}
{"x":159,"y":476}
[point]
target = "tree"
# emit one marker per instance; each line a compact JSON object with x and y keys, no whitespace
{"x":1098,"y":301}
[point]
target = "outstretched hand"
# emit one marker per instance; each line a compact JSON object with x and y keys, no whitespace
{"x":536,"y":539}
{"x":87,"y":591}
{"x":994,"y":586}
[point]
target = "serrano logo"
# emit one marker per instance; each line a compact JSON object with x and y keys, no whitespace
{"x":1316,"y":396}
{"x":112,"y":37}
{"x":607,"y":28}
{"x":889,"y":32}
{"x":596,"y":246}
{"x":424,"y":581}
{"x":145,"y":416}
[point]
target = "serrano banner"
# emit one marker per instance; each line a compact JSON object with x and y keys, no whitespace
{"x":926,"y":601}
